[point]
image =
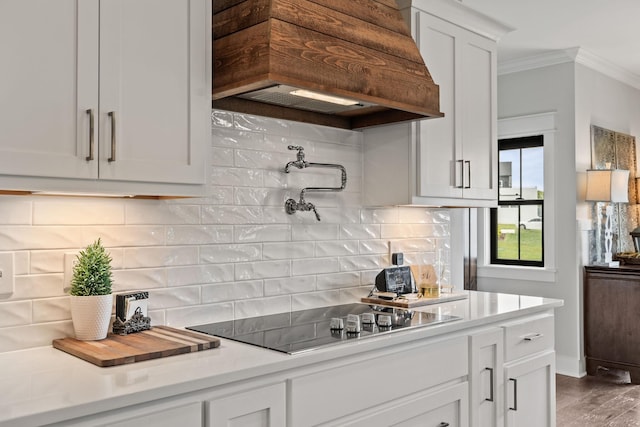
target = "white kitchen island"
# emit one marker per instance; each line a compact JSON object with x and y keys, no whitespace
{"x":495,"y":366}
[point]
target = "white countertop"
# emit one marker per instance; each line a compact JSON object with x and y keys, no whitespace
{"x":45,"y":385}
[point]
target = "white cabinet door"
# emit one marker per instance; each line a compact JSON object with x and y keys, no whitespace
{"x":458,"y":153}
{"x":486,"y":378}
{"x":262,"y":407}
{"x":530,"y":390}
{"x":137,"y":69}
{"x":48,"y":81}
{"x":444,"y":408}
{"x":154,"y":101}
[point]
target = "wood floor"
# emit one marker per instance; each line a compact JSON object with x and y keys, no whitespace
{"x":604,"y":400}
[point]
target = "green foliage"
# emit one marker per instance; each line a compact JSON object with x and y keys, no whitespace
{"x":92,"y":272}
{"x":530,"y":243}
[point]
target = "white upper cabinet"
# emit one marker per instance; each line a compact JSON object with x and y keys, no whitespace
{"x":452,"y":160}
{"x":114,"y":91}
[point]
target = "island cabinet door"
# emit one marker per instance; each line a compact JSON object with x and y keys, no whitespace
{"x":260,"y":407}
{"x":486,"y":360}
{"x":530,"y":389}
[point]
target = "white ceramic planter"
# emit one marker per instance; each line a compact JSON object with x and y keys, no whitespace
{"x":91,"y":316}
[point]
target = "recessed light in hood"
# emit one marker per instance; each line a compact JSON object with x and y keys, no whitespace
{"x":359,"y":50}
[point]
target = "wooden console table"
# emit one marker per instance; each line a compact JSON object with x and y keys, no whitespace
{"x":612,"y":319}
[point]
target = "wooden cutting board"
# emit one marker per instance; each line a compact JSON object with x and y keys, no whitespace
{"x":411,"y":303}
{"x":159,"y":341}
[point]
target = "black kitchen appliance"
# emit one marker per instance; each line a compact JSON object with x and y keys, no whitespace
{"x":398,"y":279}
{"x":299,"y":331}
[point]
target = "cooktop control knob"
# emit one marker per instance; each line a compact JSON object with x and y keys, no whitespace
{"x":384,"y":321}
{"x":368,"y":318}
{"x":336,"y":324}
{"x":353,"y":324}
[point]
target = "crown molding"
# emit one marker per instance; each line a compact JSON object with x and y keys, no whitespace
{"x":576,"y":55}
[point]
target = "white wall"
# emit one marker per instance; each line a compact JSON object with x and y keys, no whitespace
{"x":551,"y":89}
{"x":234,"y":253}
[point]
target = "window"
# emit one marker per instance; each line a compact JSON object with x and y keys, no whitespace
{"x":517,"y":224}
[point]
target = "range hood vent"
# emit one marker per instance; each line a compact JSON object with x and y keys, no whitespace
{"x":359,"y":51}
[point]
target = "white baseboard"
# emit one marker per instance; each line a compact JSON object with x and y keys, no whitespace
{"x":569,"y":366}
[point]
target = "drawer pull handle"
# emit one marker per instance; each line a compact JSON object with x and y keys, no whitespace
{"x":443,"y":424}
{"x":515,"y":394}
{"x":533,"y":337}
{"x":468,"y":163}
{"x":461,"y":162}
{"x":91,"y":133}
{"x":112,"y":115}
{"x":490,"y":398}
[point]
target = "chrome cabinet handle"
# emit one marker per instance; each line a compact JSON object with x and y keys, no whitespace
{"x":490,"y":398}
{"x":468,"y":163}
{"x":515,"y":394}
{"x":461,"y":174}
{"x":533,"y":337}
{"x":91,"y":132}
{"x":112,"y":115}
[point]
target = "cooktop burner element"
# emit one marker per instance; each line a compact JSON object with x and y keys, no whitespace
{"x":305,"y":330}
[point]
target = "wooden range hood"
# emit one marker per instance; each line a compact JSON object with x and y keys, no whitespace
{"x":360,"y":50}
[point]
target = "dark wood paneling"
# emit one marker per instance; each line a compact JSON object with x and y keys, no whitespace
{"x":243,"y":15}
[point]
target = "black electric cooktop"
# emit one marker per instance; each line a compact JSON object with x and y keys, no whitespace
{"x":299,"y":331}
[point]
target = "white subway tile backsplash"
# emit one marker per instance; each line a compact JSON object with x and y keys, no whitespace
{"x":15,"y":210}
{"x":161,"y":256}
{"x":139,"y":279}
{"x":234,"y":252}
{"x":221,"y":156}
{"x":232,"y":291}
{"x":374,"y":247}
{"x":315,"y":232}
{"x":339,"y":280}
{"x":363,"y":262}
{"x":315,"y":266}
{"x":51,"y":309}
{"x":289,"y":285}
{"x":262,"y":233}
{"x":199,"y":314}
{"x":230,"y":253}
{"x":365,"y":231}
{"x":150,"y":212}
{"x":337,"y":248}
{"x":289,"y":250}
{"x":174,"y":297}
{"x":262,"y":270}
{"x":21,"y":262}
{"x":232,"y":215}
{"x":15,"y":313}
{"x":240,"y":177}
{"x":37,"y":335}
{"x":77,"y":211}
{"x":262,"y":307}
{"x":316,"y":299}
{"x":199,"y":235}
{"x":199,"y":274}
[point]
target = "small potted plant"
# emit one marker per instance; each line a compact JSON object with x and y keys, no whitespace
{"x":91,"y":298}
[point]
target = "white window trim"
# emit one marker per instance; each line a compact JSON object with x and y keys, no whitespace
{"x":514,"y":127}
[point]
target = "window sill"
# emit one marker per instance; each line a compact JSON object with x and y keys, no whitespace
{"x":510,"y":272}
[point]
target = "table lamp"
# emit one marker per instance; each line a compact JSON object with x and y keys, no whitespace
{"x":609,"y":186}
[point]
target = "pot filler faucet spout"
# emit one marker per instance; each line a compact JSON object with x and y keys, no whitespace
{"x":291,"y":206}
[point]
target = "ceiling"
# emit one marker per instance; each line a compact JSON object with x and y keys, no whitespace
{"x":608,"y":29}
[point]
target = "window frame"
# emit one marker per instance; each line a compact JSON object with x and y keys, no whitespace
{"x":511,"y":143}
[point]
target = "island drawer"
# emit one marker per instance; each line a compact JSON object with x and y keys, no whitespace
{"x":353,"y":387}
{"x":528,"y":336}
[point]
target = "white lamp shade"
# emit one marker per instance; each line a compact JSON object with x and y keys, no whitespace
{"x":608,"y":185}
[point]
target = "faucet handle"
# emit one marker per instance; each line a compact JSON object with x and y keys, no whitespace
{"x":313,"y":208}
{"x":300,"y":155}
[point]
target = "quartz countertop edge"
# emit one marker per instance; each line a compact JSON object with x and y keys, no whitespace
{"x":45,"y":385}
